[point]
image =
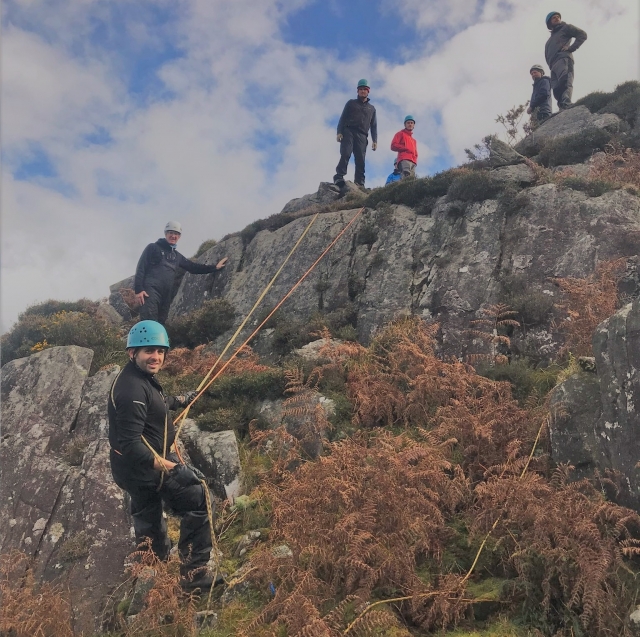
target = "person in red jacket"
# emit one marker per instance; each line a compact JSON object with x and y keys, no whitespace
{"x":405,"y":145}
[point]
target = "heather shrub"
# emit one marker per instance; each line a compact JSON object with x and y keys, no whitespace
{"x":205,"y":324}
{"x":476,"y":185}
{"x":574,"y":149}
{"x":592,"y":187}
{"x":47,"y":308}
{"x":37,"y":331}
{"x":513,"y":200}
{"x":595,"y":101}
{"x":419,"y":194}
{"x":525,"y":379}
{"x":204,"y":246}
{"x":624,"y":101}
{"x":531,"y":304}
{"x":367,"y":234}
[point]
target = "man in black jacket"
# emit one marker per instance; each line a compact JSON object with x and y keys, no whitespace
{"x":358,"y":116}
{"x":559,"y":55}
{"x":141,"y":434}
{"x":540,"y":103}
{"x":156,"y":272}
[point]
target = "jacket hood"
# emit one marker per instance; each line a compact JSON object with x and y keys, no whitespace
{"x":163,"y":243}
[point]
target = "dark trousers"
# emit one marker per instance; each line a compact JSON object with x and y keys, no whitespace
{"x":156,"y":306}
{"x":353,"y":142}
{"x":183,"y":497}
{"x":562,"y":81}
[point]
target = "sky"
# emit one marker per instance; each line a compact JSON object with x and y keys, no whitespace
{"x":120,"y":115}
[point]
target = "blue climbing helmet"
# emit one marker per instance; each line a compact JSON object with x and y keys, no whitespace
{"x":550,"y":15}
{"x":148,"y":334}
{"x":409,"y":118}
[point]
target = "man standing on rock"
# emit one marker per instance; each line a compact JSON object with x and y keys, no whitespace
{"x":141,"y":434}
{"x":358,"y":116}
{"x":156,"y":272}
{"x":540,"y":103}
{"x":559,"y":54}
{"x":406,"y":146}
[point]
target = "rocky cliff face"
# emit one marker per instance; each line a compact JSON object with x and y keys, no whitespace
{"x":59,"y":503}
{"x":447,"y":265}
{"x":596,"y":424}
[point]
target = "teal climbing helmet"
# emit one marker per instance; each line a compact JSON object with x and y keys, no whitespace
{"x":550,"y":15}
{"x":363,"y":84}
{"x":409,"y":118}
{"x":148,"y":334}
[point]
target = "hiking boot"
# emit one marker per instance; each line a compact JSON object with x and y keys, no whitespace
{"x":201,"y":580}
{"x":565,"y":107}
{"x":339,"y":181}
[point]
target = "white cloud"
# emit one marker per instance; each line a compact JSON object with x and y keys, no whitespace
{"x":206,"y":154}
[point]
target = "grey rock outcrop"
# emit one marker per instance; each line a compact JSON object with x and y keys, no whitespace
{"x":501,"y":154}
{"x":216,"y":454}
{"x":616,"y":346}
{"x":116,"y":300}
{"x":519,"y":174}
{"x":59,"y":500}
{"x":442,"y":266}
{"x":596,"y":424}
{"x":575,"y":408}
{"x":569,"y":122}
{"x":326,"y":193}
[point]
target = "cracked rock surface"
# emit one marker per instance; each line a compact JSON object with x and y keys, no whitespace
{"x":60,"y":504}
{"x":446,"y":266}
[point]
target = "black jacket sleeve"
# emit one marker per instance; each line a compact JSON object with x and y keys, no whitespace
{"x":343,"y":117}
{"x":579,"y":35}
{"x":374,"y":126}
{"x":131,"y":402}
{"x":143,"y":265}
{"x":193,"y":267}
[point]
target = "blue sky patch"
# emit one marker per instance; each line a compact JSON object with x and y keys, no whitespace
{"x":351,"y":28}
{"x":33,"y":163}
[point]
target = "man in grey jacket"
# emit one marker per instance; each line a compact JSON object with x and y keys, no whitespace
{"x":558,"y":52}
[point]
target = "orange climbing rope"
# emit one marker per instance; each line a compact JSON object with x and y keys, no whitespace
{"x":181,"y":417}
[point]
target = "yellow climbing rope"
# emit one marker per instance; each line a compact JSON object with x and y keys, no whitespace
{"x":205,"y":384}
{"x":475,"y":561}
{"x":264,"y":292}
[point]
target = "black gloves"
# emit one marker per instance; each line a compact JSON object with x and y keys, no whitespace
{"x":183,"y":475}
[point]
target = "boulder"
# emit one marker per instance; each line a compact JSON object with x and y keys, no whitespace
{"x":595,"y":424}
{"x":616,"y":345}
{"x":116,"y":299}
{"x":311,"y":351}
{"x":59,"y":500}
{"x":426,"y":265}
{"x":519,"y":174}
{"x":326,"y":194}
{"x":109,"y":314}
{"x":569,"y":122}
{"x":575,"y":408}
{"x":501,"y":154}
{"x":216,"y":454}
